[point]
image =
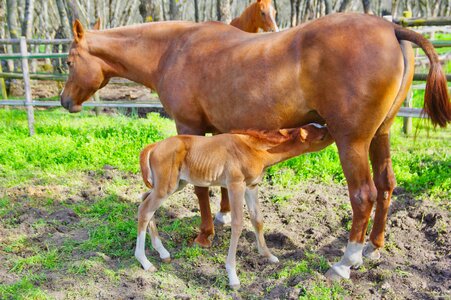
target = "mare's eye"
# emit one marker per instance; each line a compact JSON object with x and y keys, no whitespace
{"x":263,"y":14}
{"x":69,"y":63}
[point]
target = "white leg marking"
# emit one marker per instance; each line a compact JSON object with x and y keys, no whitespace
{"x":157,"y":245}
{"x":234,"y":281}
{"x":223,"y":218}
{"x":351,"y":258}
{"x":140,"y":252}
{"x":370,"y":251}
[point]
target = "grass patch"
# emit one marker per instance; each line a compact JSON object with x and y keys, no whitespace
{"x":44,"y":260}
{"x":24,"y":289}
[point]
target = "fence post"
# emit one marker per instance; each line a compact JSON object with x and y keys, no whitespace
{"x":27,"y":84}
{"x":2,"y":84}
{"x":407,"y":121}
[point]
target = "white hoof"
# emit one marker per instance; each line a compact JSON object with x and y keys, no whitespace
{"x":273,"y":259}
{"x":223,"y":218}
{"x":338,"y":272}
{"x":370,"y":251}
{"x":234,"y":281}
{"x":146,"y":264}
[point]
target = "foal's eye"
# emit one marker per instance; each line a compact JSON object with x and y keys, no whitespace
{"x":263,"y":14}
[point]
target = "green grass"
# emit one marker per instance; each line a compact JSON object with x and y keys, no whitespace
{"x":24,"y":289}
{"x":65,"y":142}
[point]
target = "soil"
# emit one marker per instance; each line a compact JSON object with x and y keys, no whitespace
{"x":310,"y":218}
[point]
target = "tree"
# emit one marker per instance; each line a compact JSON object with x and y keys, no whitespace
{"x":174,"y":10}
{"x":27,"y":25}
{"x":223,"y":11}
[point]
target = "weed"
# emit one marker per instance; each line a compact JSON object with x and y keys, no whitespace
{"x":47,"y":260}
{"x":24,"y":289}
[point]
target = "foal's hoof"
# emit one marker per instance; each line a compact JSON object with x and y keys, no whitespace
{"x":166,"y":260}
{"x":222,"y":218}
{"x":333,"y":275}
{"x":371,"y":252}
{"x":202,"y":241}
{"x":147,"y":266}
{"x":235,"y":286}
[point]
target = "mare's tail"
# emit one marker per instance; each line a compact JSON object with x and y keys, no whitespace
{"x":436,"y":97}
{"x":144,"y":162}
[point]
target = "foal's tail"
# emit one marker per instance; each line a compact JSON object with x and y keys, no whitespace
{"x":436,"y":97}
{"x":144,"y":163}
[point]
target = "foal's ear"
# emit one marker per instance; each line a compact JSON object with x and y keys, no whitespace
{"x":78,"y":31}
{"x":303,"y":134}
{"x":96,"y":25}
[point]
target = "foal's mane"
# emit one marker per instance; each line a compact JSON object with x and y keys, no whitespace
{"x":273,"y":137}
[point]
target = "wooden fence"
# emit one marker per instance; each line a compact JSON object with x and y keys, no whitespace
{"x":28,"y":102}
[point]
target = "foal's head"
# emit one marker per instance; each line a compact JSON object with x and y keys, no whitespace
{"x":265,"y":16}
{"x":86,"y":71}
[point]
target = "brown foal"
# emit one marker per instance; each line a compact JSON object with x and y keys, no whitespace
{"x":350,"y":71}
{"x":235,"y":161}
{"x":259,"y":15}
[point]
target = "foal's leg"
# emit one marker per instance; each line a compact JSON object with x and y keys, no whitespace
{"x":362,"y":192}
{"x":253,"y":206}
{"x":223,"y":216}
{"x":385,"y":182}
{"x":145,"y":213}
{"x":236,"y":195}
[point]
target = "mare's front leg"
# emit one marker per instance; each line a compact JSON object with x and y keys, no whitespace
{"x":253,"y":206}
{"x":362,"y":193}
{"x":236,"y":194}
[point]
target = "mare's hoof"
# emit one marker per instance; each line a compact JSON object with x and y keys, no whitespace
{"x":333,"y":275}
{"x":202,"y":241}
{"x":235,"y":286}
{"x":371,"y":252}
{"x":166,"y":260}
{"x":222,"y":218}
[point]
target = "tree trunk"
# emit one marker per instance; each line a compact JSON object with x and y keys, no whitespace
{"x":328,"y":6}
{"x":292,"y":13}
{"x":174,"y":10}
{"x":366,"y":6}
{"x":27,"y":25}
{"x":223,"y":11}
{"x":344,"y":5}
{"x":196,"y":10}
{"x":150,"y":10}
{"x":65,"y":31}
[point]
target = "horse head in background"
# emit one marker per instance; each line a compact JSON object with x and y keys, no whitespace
{"x":259,"y":15}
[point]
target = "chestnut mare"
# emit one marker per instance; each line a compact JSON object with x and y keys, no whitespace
{"x":350,"y":71}
{"x":259,"y":15}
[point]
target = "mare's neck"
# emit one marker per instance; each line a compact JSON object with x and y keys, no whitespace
{"x":134,"y":52}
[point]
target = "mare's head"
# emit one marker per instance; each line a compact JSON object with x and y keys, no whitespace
{"x":308,"y":138}
{"x":265,"y":16}
{"x":86,"y":71}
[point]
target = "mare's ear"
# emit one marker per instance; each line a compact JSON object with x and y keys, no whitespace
{"x":78,"y":31}
{"x":283,"y":132}
{"x":303,"y":134}
{"x":96,"y":25}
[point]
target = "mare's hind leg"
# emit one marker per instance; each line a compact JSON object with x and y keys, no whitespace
{"x":145,"y":213}
{"x":362,"y":193}
{"x":385,"y":182}
{"x":253,"y":206}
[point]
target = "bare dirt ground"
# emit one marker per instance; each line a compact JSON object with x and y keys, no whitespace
{"x":303,"y":223}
